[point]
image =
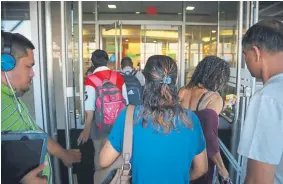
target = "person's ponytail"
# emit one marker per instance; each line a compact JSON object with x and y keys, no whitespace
{"x":160,"y":96}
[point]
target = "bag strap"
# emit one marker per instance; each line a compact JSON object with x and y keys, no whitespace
{"x":128,"y":136}
{"x":113,"y":77}
{"x":202,"y":98}
{"x":95,"y":80}
{"x":133,"y":73}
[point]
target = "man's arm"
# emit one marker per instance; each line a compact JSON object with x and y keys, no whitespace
{"x":259,"y":173}
{"x":68,"y":157}
{"x":90,"y":97}
{"x":54,"y":148}
{"x":86,"y":132}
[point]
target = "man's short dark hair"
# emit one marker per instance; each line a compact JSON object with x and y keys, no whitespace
{"x":266,"y":35}
{"x":99,"y":58}
{"x":19,"y":44}
{"x":126,"y":61}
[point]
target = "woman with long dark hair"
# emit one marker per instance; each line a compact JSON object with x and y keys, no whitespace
{"x":201,"y":95}
{"x":167,"y":139}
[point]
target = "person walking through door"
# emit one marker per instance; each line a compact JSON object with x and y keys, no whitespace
{"x":201,"y":96}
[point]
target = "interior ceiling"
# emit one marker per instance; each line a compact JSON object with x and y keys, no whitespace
{"x":15,"y":10}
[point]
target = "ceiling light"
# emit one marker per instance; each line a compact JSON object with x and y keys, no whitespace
{"x":112,"y":6}
{"x":127,"y":40}
{"x":154,"y":41}
{"x":213,"y":31}
{"x":179,"y":13}
{"x":137,"y":12}
{"x":190,"y":8}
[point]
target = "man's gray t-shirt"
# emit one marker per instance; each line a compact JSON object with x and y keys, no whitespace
{"x":262,"y":136}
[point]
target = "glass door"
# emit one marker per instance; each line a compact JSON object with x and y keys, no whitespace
{"x":160,"y":40}
{"x":110,"y":39}
{"x":200,"y":41}
{"x":139,"y":42}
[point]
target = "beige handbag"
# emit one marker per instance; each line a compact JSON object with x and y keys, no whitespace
{"x":120,"y":171}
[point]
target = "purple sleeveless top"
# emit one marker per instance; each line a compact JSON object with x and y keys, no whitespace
{"x":209,"y":122}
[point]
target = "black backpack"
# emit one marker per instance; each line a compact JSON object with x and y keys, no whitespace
{"x":134,"y":87}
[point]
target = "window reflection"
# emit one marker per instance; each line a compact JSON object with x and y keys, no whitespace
{"x":227,"y":49}
{"x":201,"y":41}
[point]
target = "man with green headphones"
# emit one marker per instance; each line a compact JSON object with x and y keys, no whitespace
{"x":17,"y":61}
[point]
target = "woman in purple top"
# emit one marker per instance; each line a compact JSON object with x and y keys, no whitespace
{"x":201,"y":96}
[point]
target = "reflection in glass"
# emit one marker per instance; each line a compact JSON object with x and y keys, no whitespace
{"x":227,"y":49}
{"x":140,"y":42}
{"x":108,"y":37}
{"x":201,"y":41}
{"x":159,"y":40}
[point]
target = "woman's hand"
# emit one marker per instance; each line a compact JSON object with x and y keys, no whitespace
{"x":224,"y":173}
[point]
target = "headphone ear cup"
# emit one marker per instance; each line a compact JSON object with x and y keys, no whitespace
{"x":7,"y":62}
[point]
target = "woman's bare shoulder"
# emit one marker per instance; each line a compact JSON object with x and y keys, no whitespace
{"x":183,"y":91}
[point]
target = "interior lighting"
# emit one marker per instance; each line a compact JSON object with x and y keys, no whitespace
{"x":112,"y":6}
{"x":190,"y":8}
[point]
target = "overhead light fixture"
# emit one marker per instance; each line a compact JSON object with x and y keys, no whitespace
{"x":137,"y":12}
{"x":190,"y":8}
{"x":213,"y":31}
{"x":154,"y":41}
{"x":112,"y":6}
{"x":179,"y":13}
{"x":127,"y":40}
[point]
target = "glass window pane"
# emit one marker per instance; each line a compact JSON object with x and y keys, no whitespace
{"x":160,"y":40}
{"x":201,"y":41}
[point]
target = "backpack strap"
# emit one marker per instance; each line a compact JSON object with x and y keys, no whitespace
{"x":128,"y":137}
{"x":95,"y":80}
{"x":113,"y":77}
{"x":133,"y":73}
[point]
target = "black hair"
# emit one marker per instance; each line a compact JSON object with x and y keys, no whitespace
{"x":90,"y":70}
{"x":160,"y":96}
{"x":99,"y":58}
{"x":19,"y":44}
{"x":126,"y":61}
{"x":212,"y":72}
{"x":266,"y":34}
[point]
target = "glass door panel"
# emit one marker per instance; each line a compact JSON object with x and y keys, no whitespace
{"x":110,"y":35}
{"x":159,"y":40}
{"x":201,"y":41}
{"x":131,"y":43}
